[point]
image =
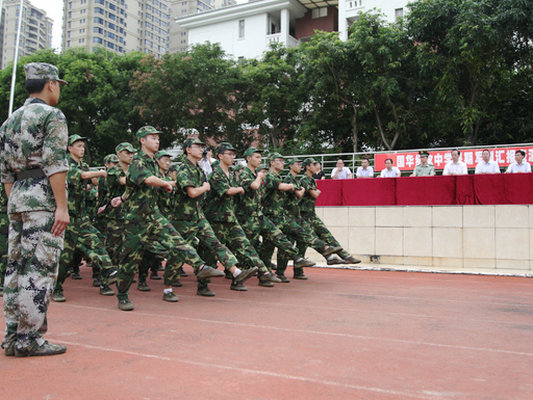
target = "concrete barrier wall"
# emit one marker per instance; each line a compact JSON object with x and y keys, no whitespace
{"x":493,"y":239}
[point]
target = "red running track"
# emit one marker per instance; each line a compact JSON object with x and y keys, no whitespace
{"x":341,"y":335}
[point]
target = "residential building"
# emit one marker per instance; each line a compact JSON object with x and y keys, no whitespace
{"x":120,"y":26}
{"x":349,"y":11}
{"x":247,"y":30}
{"x":36,"y":30}
{"x":179,"y":38}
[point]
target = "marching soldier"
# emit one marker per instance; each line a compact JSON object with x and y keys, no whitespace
{"x":81,"y":234}
{"x":191,"y":222}
{"x":220,"y":214}
{"x":4,"y":224}
{"x":254,"y":222}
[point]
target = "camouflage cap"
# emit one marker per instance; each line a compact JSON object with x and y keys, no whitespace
{"x":161,"y":153}
{"x":308,"y":161}
{"x":273,"y":156}
{"x":292,"y":161}
{"x":45,"y":71}
{"x":224,"y":146}
{"x":173,"y":167}
{"x":111,"y":158}
{"x":190,"y":141}
{"x":145,"y":131}
{"x":125,"y":146}
{"x":251,"y":150}
{"x":75,"y":138}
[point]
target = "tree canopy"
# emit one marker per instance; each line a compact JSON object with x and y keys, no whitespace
{"x":453,"y":72}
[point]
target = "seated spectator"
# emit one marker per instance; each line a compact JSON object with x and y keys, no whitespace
{"x":320,"y":174}
{"x":424,"y":168}
{"x":340,"y":171}
{"x":519,"y":166}
{"x":487,"y":166}
{"x":365,"y":170}
{"x":390,"y":171}
{"x":455,"y":167}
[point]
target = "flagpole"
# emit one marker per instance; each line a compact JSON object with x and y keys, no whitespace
{"x":15,"y":60}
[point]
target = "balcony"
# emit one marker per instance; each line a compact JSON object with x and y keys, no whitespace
{"x":276,"y":38}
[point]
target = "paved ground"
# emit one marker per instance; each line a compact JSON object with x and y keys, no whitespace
{"x":341,"y":335}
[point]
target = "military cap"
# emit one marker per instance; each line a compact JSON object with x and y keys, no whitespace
{"x":75,"y":138}
{"x":45,"y":71}
{"x":308,"y":161}
{"x":145,"y":131}
{"x":224,"y":146}
{"x":161,"y":153}
{"x":173,"y":167}
{"x":423,"y":153}
{"x":251,"y":150}
{"x":111,"y":158}
{"x":273,"y":156}
{"x":292,"y":161}
{"x":190,"y":141}
{"x":125,"y":146}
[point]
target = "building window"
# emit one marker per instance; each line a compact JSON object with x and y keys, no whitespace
{"x":398,"y":13}
{"x":241,"y":29}
{"x":319,"y":12}
{"x":97,"y":40}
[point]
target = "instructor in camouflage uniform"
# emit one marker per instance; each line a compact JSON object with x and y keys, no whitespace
{"x":33,"y":167}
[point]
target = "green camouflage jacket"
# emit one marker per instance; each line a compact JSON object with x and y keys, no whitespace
{"x":273,"y":198}
{"x":189,"y":209}
{"x":141,"y":199}
{"x":77,"y":189}
{"x":113,"y":189}
{"x":219,"y":206}
{"x":307,"y":203}
{"x":3,"y":200}
{"x":166,"y":199}
{"x":35,"y":136}
{"x":292,"y":202}
{"x":249,"y":203}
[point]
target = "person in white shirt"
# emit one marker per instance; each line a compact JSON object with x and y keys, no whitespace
{"x":365,"y":170}
{"x":455,"y":167}
{"x":340,"y":171}
{"x":206,"y":161}
{"x":487,"y":166}
{"x":390,"y":171}
{"x":519,"y":166}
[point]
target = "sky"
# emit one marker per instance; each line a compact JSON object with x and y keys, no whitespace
{"x":54,"y":10}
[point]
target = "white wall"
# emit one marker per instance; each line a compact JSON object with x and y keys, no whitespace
{"x":227,"y":34}
{"x":476,"y":238}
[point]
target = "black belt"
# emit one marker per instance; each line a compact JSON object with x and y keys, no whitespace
{"x":29,"y":173}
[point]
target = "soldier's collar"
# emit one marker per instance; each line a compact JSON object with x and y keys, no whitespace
{"x":35,"y":100}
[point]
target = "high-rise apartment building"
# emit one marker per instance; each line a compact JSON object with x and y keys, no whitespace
{"x":36,"y":30}
{"x":117,"y":25}
{"x":179,"y":40}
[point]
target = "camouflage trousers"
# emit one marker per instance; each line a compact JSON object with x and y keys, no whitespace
{"x":82,"y":235}
{"x":295,"y":231}
{"x":139,"y":236}
{"x":113,"y":238}
{"x":261,"y":226}
{"x":32,"y":269}
{"x":315,"y":224}
{"x":232,"y":235}
{"x":4,"y":225}
{"x":203,"y":231}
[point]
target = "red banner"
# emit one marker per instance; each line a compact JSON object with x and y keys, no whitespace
{"x":408,"y":161}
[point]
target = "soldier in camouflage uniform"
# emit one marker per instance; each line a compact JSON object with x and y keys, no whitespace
{"x":191,"y":185}
{"x":308,"y":214}
{"x":4,"y":223}
{"x":144,"y":223}
{"x":274,"y":208}
{"x":33,"y":168}
{"x":81,"y":234}
{"x":220,"y":213}
{"x":250,"y":215}
{"x":100,"y":222}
